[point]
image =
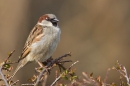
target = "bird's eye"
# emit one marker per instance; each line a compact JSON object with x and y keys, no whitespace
{"x":46,"y":18}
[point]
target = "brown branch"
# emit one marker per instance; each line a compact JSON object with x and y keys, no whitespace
{"x":14,"y":82}
{"x":2,"y":75}
{"x":49,"y":65}
{"x":45,"y":80}
{"x":106,"y":77}
{"x":63,"y":73}
{"x":5,"y":65}
{"x":122,"y":70}
{"x":39,"y":77}
{"x":56,"y":75}
{"x":10,"y":54}
{"x":28,"y":85}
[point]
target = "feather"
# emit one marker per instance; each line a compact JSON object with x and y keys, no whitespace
{"x":35,"y":35}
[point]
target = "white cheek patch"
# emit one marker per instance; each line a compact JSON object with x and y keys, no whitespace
{"x":45,"y":23}
{"x":40,"y":24}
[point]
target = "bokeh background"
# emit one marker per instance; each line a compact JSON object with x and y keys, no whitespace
{"x":97,"y":32}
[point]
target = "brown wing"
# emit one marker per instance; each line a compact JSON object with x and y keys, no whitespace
{"x":35,"y":35}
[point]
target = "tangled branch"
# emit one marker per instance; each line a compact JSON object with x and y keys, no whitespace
{"x":64,"y":73}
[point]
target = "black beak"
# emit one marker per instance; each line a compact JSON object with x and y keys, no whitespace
{"x":54,"y":20}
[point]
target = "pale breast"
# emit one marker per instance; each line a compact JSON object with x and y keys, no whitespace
{"x":44,"y":48}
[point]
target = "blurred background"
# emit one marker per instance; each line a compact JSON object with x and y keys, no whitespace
{"x":97,"y":32}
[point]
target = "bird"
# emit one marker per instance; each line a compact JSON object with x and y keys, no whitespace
{"x":41,"y":42}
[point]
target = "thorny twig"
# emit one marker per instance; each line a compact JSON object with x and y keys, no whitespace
{"x":27,"y":85}
{"x":59,"y":61}
{"x":39,"y":77}
{"x":10,"y":54}
{"x":62,"y":73}
{"x":89,"y":79}
{"x":106,"y":77}
{"x":2,"y":75}
{"x":49,"y":66}
{"x":2,"y":66}
{"x":56,"y":75}
{"x":5,"y":65}
{"x":14,"y":82}
{"x":45,"y":80}
{"x":122,"y":70}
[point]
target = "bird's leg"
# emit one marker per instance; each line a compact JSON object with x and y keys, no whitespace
{"x":42,"y":66}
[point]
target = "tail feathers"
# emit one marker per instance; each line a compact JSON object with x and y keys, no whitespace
{"x":17,"y":69}
{"x":20,"y":65}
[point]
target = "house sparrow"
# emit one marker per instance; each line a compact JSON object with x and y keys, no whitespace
{"x":41,"y":42}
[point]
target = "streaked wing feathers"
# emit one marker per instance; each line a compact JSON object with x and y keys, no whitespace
{"x":35,"y":35}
